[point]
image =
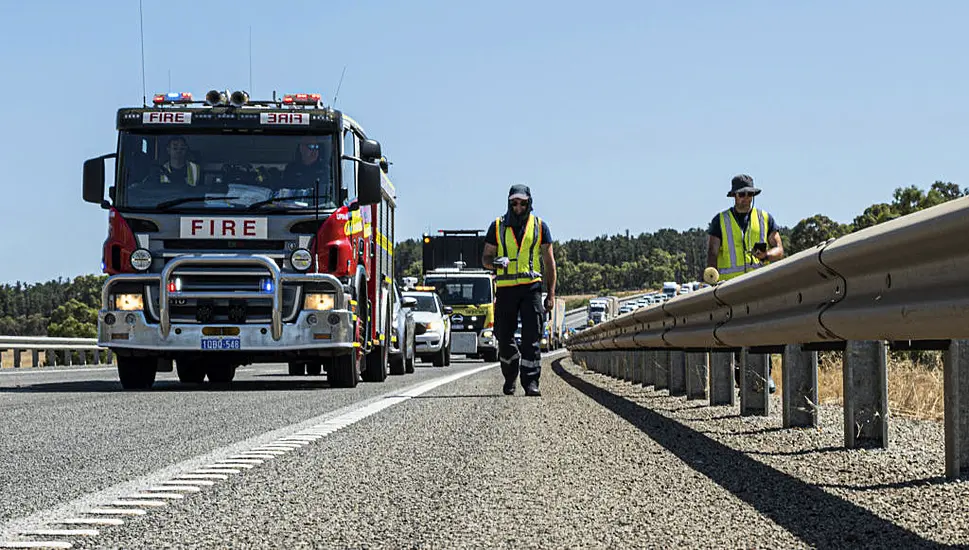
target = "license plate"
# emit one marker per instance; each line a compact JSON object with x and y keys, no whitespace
{"x":457,"y":327}
{"x":221,"y":343}
{"x":464,"y":342}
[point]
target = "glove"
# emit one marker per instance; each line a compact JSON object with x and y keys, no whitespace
{"x":502,"y":262}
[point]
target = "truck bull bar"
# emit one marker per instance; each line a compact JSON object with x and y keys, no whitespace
{"x":222,"y":260}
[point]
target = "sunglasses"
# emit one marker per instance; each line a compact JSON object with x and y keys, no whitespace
{"x":518,"y":203}
{"x":312,"y":146}
{"x":744,"y":194}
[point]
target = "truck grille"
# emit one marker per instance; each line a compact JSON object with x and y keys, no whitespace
{"x":234,"y":311}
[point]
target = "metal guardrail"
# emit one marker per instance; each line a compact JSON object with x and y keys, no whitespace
{"x":58,"y":351}
{"x":902,"y":284}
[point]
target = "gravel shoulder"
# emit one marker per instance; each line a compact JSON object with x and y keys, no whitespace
{"x":593,"y":463}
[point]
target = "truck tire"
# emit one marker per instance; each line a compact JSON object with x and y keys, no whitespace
{"x":297,"y":368}
{"x":490,"y":355}
{"x":220,"y":372}
{"x":409,"y":353}
{"x":190,"y":371}
{"x":314,"y":368}
{"x":397,"y":365}
{"x":136,"y":373}
{"x":377,"y":359}
{"x":447,"y":355}
{"x":343,"y":372}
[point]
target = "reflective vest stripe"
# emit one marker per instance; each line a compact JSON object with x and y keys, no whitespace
{"x":192,"y":174}
{"x":518,"y":271}
{"x":735,"y":258}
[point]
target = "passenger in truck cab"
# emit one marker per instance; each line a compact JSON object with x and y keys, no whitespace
{"x":312,"y":162}
{"x":179,"y":169}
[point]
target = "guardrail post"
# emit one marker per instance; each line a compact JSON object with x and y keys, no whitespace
{"x":35,"y":358}
{"x":661,"y":369}
{"x":677,"y":367}
{"x":721,"y":378}
{"x":956,"y":402}
{"x":635,"y":370}
{"x":799,"y":387}
{"x":16,"y":358}
{"x":697,"y":365}
{"x":627,"y":366}
{"x":649,"y":371}
{"x":110,"y":357}
{"x":68,"y":358}
{"x":754,"y":371}
{"x":866,"y":394}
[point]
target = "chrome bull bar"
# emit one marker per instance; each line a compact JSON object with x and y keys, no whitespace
{"x":223,"y":260}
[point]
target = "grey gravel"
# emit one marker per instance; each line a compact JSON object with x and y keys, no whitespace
{"x":593,"y":463}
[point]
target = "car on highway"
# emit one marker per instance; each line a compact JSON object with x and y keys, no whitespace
{"x":402,"y":348}
{"x":432,"y":330}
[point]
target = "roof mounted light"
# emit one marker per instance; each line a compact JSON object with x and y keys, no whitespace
{"x":172,"y":97}
{"x":215,"y":97}
{"x":302,"y":99}
{"x":238,"y":98}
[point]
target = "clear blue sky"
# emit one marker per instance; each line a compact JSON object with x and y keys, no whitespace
{"x":619,"y":114}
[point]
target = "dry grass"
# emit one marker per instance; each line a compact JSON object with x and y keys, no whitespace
{"x":914,"y":389}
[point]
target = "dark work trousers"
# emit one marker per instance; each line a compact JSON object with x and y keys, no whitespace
{"x":512,"y":302}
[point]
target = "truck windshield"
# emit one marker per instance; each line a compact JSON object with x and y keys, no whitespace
{"x":597,"y":307}
{"x":225,"y":171}
{"x":457,"y":292}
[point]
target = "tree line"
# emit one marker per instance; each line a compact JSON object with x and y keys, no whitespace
{"x":585,"y":266}
{"x":614,"y":263}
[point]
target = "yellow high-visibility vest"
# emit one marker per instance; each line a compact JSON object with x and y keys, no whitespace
{"x":734,"y":258}
{"x":191,"y":178}
{"x":525,"y":265}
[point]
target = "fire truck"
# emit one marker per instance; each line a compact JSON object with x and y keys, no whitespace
{"x":245,"y":231}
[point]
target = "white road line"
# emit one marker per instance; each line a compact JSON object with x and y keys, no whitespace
{"x":64,"y":532}
{"x":149,"y":496}
{"x":140,"y":502}
{"x":230,"y":466}
{"x":46,"y":370}
{"x":118,"y":511}
{"x":91,"y":521}
{"x":217,"y":471}
{"x":36,"y":544}
{"x":176,"y":478}
{"x":183,"y":488}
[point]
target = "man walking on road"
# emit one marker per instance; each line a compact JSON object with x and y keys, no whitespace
{"x":743,"y":238}
{"x":518,"y":246}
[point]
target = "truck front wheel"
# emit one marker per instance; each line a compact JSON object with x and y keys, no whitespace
{"x":137,"y":373}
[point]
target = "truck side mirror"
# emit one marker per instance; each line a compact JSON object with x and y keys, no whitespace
{"x":408,"y":302}
{"x":368,"y":183}
{"x":448,"y":310}
{"x":369,"y":150}
{"x":94,"y":180}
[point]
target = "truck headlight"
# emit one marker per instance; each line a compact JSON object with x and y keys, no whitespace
{"x":487,"y":334}
{"x":301,"y":259}
{"x":141,"y":259}
{"x":129,"y":302}
{"x":318,"y":302}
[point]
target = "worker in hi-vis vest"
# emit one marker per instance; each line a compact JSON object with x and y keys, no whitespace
{"x":742,"y":238}
{"x":518,"y":246}
{"x":179,"y":169}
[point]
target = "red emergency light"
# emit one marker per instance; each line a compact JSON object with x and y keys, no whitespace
{"x":301,"y":99}
{"x":172,"y":97}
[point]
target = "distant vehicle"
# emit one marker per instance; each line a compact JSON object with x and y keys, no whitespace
{"x":670,"y":288}
{"x":402,"y":349}
{"x":432,"y":332}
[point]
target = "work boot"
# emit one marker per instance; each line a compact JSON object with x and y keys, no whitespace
{"x":531,"y":389}
{"x":771,"y":387}
{"x":509,"y":387}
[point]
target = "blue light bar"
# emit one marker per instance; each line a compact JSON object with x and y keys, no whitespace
{"x":267,"y":285}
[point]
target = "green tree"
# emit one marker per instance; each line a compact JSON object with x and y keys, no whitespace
{"x":74,"y":319}
{"x":814,"y":230}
